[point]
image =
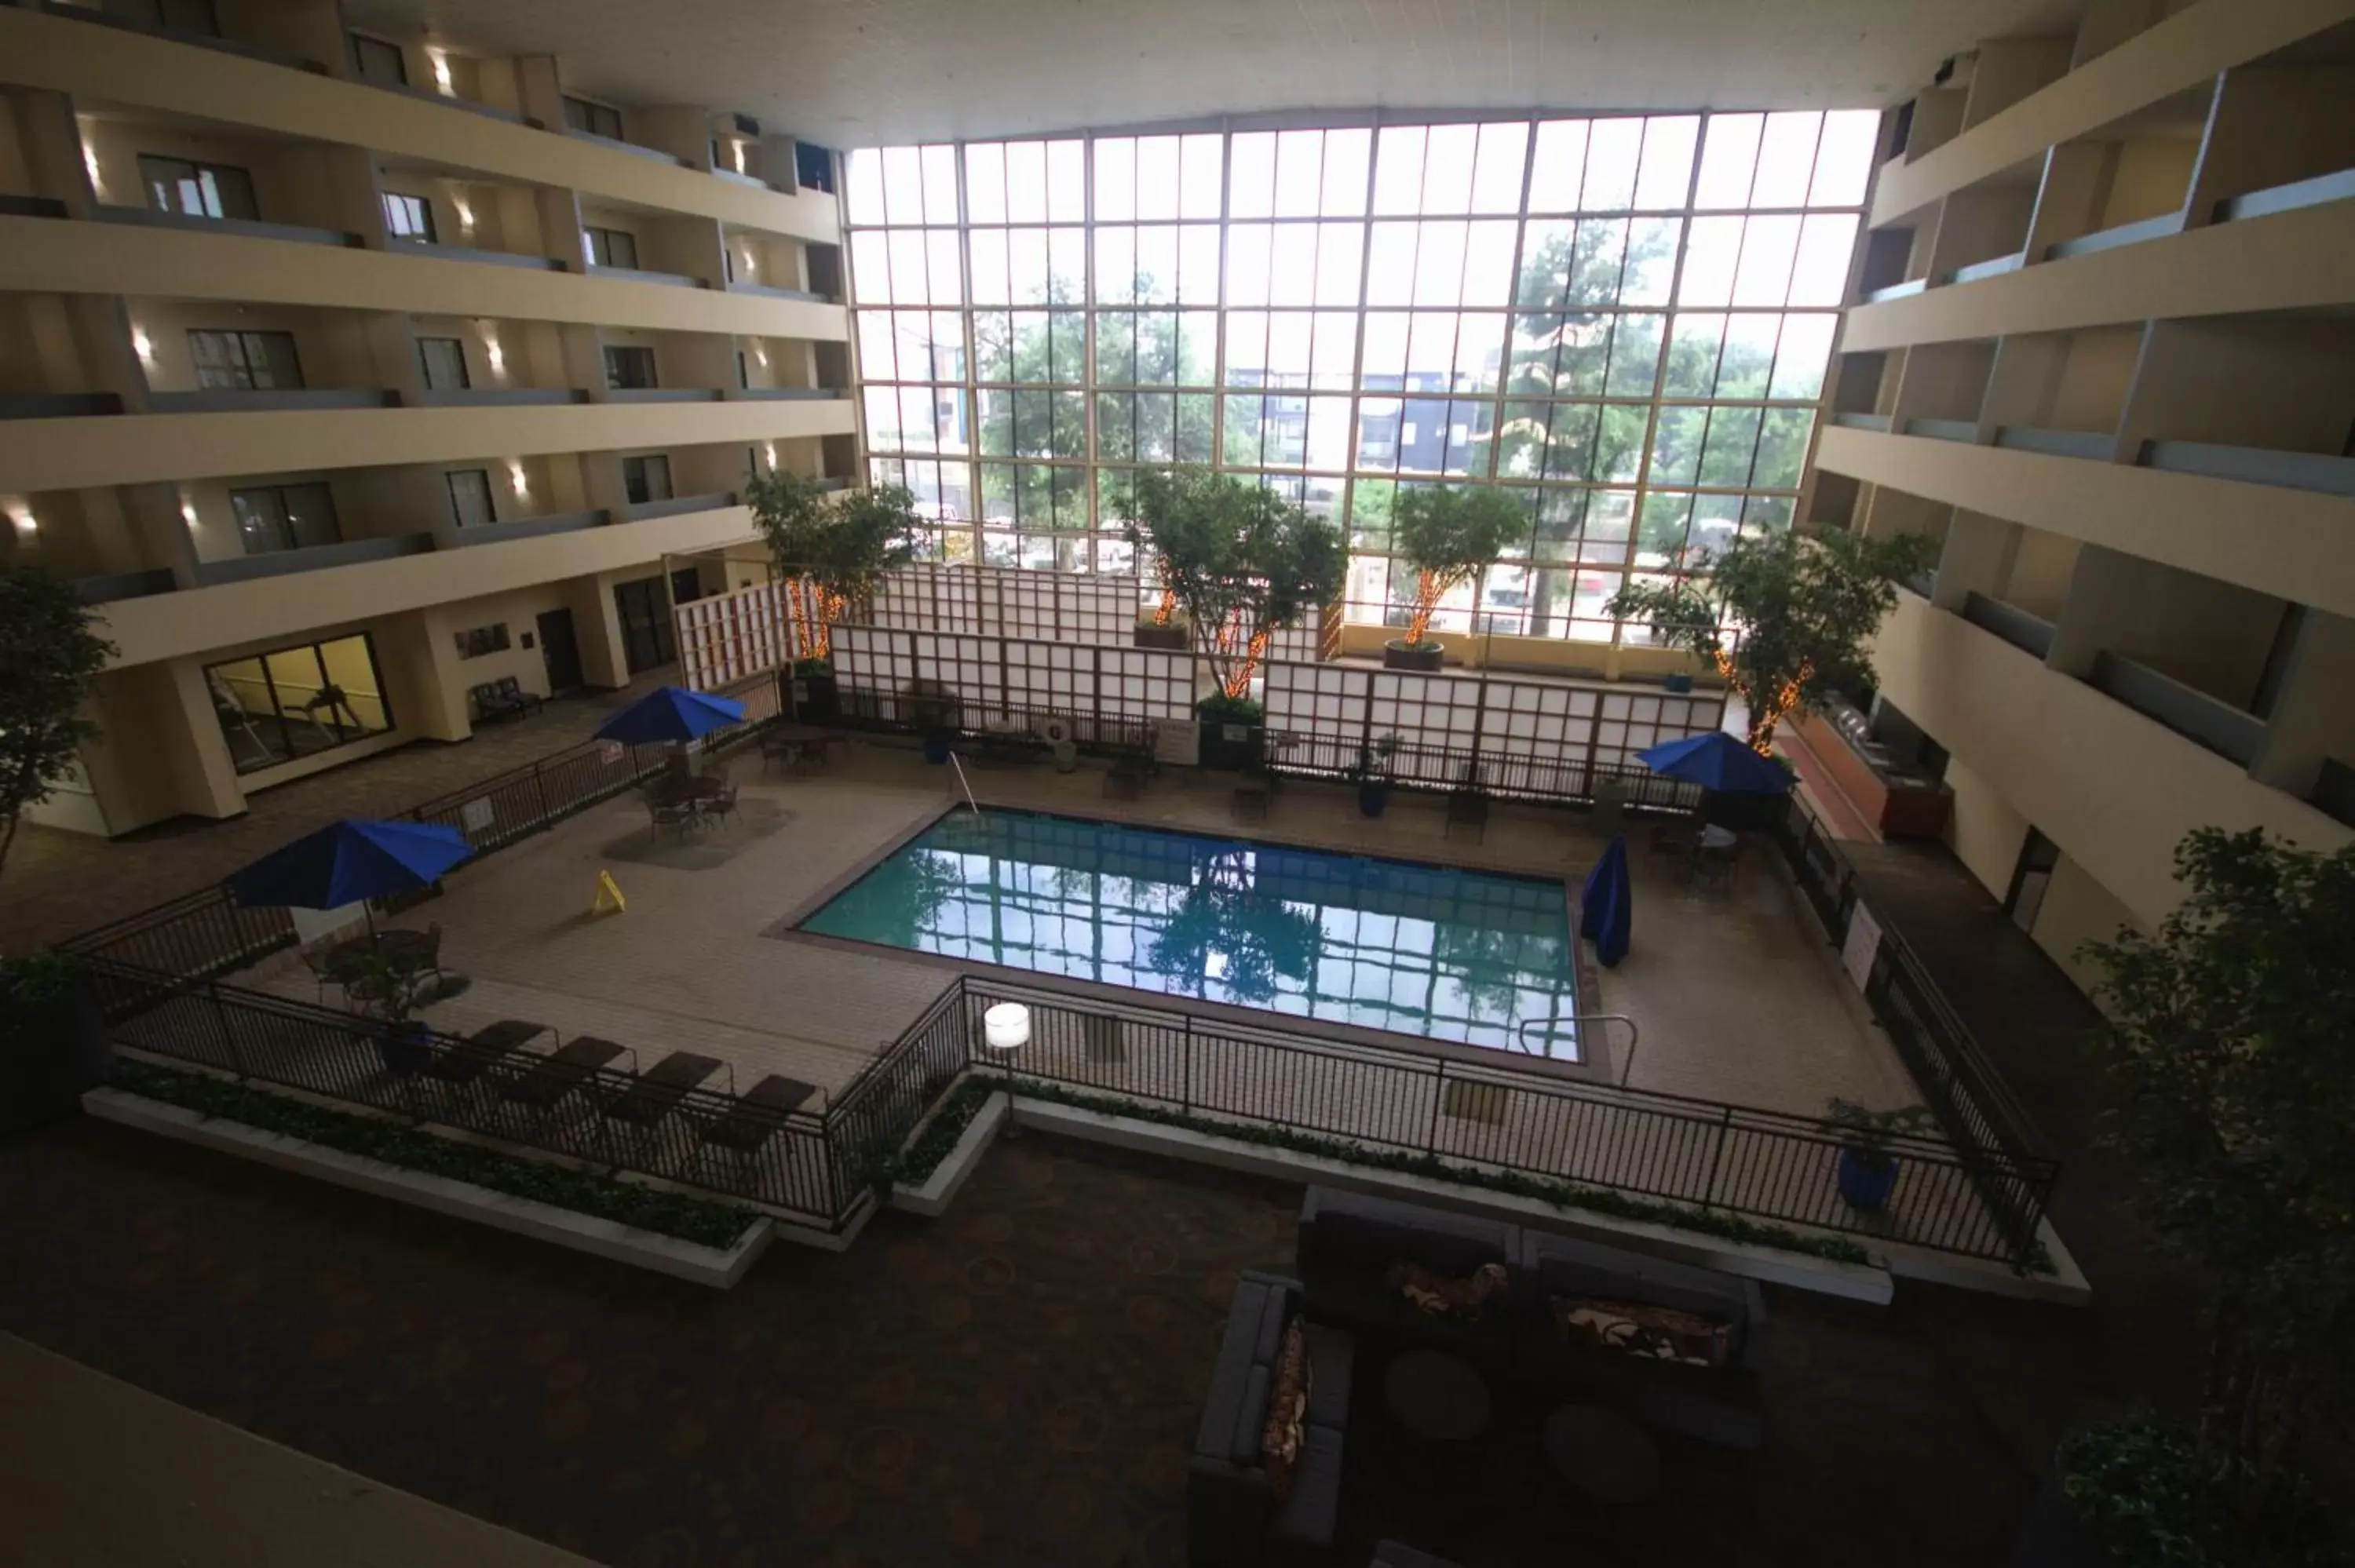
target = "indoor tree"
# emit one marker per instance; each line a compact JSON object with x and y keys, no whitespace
{"x":1240,"y":559}
{"x":1783,"y":616}
{"x":49,"y":653}
{"x":2227,"y":1029}
{"x":829,"y":551}
{"x":1449,"y":533}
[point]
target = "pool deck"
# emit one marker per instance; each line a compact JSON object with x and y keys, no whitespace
{"x":1736,"y":993}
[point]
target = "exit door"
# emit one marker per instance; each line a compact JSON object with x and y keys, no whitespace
{"x":559,"y":650}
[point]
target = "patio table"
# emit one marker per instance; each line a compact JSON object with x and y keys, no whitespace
{"x":659,"y":1091}
{"x":404,"y":949}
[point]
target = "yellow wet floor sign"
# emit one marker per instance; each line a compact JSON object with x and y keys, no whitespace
{"x":607,"y":888}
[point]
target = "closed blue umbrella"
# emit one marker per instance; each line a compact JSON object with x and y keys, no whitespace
{"x":1606,"y":904}
{"x":1718,"y":761}
{"x":671,"y":716}
{"x":348,"y":862}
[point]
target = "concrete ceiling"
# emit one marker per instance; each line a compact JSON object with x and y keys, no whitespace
{"x":852,"y":73}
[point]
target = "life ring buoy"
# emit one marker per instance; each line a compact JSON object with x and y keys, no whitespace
{"x":1055,"y":731}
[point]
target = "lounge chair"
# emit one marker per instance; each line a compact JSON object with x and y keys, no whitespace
{"x":758,"y":1114}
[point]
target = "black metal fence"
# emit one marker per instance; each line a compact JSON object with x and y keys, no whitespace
{"x":1503,"y":775}
{"x":785,"y":1160}
{"x":969,"y":721}
{"x":1703,"y":1154}
{"x":1969,"y":1097}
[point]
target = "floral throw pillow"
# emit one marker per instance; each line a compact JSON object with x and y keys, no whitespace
{"x":1444,"y":1296}
{"x":1288,"y":1410}
{"x":1639,"y":1328}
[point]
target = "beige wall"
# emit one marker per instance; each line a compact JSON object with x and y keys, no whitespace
{"x":2116,"y":790}
{"x":2182,"y":51}
{"x":174,"y":625}
{"x":101,"y":64}
{"x":64,"y":454}
{"x":2290,"y":543}
{"x":479,"y":213}
{"x":67,"y":257}
{"x":1984,"y":831}
{"x":2076,"y":910}
{"x":295,"y":182}
{"x":335,"y":347}
{"x":2041,"y":566}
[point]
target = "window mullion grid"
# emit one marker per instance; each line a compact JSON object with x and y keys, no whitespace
{"x":1088,"y":296}
{"x":1504,"y":367}
{"x":1358,"y":374}
{"x":968,"y":387}
{"x":1219,"y":330}
{"x":1660,"y":366}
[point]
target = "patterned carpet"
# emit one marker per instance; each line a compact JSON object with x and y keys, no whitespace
{"x":1017,"y":1382}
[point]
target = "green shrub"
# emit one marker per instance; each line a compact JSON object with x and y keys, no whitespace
{"x":696,"y":1220}
{"x":2143,"y":1490}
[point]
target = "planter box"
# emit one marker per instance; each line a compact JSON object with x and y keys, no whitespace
{"x":717,"y":1267}
{"x":1397,"y":655}
{"x":2054,"y":1536}
{"x":1236,"y":747}
{"x":50,"y":1061}
{"x":816,"y":696}
{"x":1172,"y":636}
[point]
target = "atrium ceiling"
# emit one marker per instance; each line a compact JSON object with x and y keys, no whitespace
{"x":850,"y":73}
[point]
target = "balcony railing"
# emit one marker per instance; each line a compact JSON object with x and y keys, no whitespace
{"x":2320,"y":471}
{"x":476,"y":253}
{"x":2026,"y":632}
{"x":533,"y":528}
{"x":2056,"y":443}
{"x":58,"y":404}
{"x":228,"y":400}
{"x":201,"y":39}
{"x":673,"y":506}
{"x":2227,"y":731}
{"x":150,"y":217}
{"x":107,"y":588}
{"x":313,"y":558}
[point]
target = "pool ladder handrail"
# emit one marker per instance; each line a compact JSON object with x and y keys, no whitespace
{"x":1580,"y":1021}
{"x":967,"y":784}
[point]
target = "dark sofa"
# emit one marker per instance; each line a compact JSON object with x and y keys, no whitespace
{"x":1232,"y":1516}
{"x":1347,"y":1244}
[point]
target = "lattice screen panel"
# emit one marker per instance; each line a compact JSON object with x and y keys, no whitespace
{"x":969,"y":668}
{"x":1145,"y":682}
{"x":1323,"y":700}
{"x":1631,"y":723}
{"x":729,"y":636}
{"x":1300,"y":643}
{"x":1056,"y":676}
{"x":874,"y":659}
{"x":1431,"y":711}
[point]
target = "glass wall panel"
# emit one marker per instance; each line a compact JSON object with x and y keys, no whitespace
{"x":1626,"y":319}
{"x":296,"y":702}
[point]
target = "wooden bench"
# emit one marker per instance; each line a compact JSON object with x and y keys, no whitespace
{"x":504,"y":698}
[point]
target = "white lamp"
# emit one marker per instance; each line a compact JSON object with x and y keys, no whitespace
{"x":1005,"y":1026}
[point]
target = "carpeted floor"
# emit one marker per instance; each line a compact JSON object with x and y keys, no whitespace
{"x":1017,"y":1382}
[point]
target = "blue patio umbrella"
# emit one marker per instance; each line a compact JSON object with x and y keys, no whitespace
{"x":671,"y":716}
{"x":1606,"y":904}
{"x":1717,"y":761}
{"x":347,"y":861}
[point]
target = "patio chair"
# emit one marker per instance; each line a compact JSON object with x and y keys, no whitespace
{"x":1674,"y":838}
{"x":321,"y":962}
{"x":721,"y":805}
{"x":1467,"y":809}
{"x":1125,"y":779}
{"x":678,"y":814}
{"x":1713,"y":865}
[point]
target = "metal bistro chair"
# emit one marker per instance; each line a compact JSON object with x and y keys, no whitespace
{"x":721,"y":805}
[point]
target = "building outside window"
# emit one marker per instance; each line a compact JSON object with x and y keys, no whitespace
{"x":470,"y":497}
{"x":444,"y":362}
{"x":272,"y":517}
{"x":596,"y":119}
{"x":1625,"y":321}
{"x":629,"y":368}
{"x":611,"y":247}
{"x":409,"y":218}
{"x":244,"y":361}
{"x":375,"y":61}
{"x":645,"y":478}
{"x":297,"y":702}
{"x":198,"y":190}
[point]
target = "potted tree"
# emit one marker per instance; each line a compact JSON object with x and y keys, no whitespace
{"x":827,"y":552}
{"x":1166,"y":626}
{"x":53,"y":1042}
{"x":2226,"y":1028}
{"x":1806,"y":605}
{"x":1372,"y":774}
{"x":1243,"y":563}
{"x":49,"y":656}
{"x":1449,"y":533}
{"x":1867,"y":1170}
{"x":393,"y":995}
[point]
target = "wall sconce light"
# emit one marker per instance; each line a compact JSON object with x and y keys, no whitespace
{"x":494,"y":352}
{"x":440,"y":63}
{"x":90,"y":162}
{"x":22,"y":516}
{"x":751,"y":264}
{"x":761,"y":354}
{"x":737,"y":148}
{"x":188,"y":510}
{"x":517,"y":479}
{"x":769,"y":450}
{"x":142,"y":346}
{"x":465,"y":213}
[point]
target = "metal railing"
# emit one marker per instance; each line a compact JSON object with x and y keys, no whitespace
{"x":1506,"y":1117}
{"x":784,"y":1160}
{"x":1482,"y":770}
{"x":1962,"y":1087}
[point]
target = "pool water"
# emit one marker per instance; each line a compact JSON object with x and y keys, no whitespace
{"x":1393,"y":945}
